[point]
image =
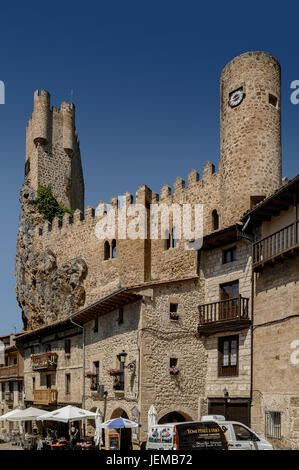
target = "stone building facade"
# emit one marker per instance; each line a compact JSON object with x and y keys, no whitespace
{"x":161,"y":324}
{"x":275,"y":226}
{"x":11,"y":380}
{"x":52,"y":358}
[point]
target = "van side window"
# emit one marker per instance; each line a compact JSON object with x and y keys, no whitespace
{"x":241,"y":433}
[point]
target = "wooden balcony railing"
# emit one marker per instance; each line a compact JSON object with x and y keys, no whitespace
{"x":47,"y":396}
{"x":269,"y":249}
{"x":9,"y":371}
{"x":44,"y":361}
{"x":217,"y":315}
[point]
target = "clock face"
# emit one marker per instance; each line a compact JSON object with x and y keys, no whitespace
{"x":236,"y":97}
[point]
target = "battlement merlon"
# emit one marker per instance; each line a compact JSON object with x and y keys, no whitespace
{"x":144,"y":196}
{"x":41,"y":127}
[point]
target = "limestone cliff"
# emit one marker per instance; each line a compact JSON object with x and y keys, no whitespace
{"x":45,"y":292}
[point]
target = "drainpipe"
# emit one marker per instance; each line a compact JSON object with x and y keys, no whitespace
{"x":251,"y":339}
{"x":83,"y":367}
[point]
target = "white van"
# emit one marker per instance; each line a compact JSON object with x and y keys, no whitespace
{"x":239,"y":436}
{"x":193,"y":435}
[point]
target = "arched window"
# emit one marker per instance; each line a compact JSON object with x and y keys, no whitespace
{"x":167,"y":240}
{"x":215,"y":220}
{"x":114,"y":254}
{"x":106,"y":250}
{"x":173,"y":238}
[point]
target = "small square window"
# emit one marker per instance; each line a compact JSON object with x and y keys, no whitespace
{"x":229,"y":255}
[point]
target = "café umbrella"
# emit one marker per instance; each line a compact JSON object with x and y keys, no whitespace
{"x":28,"y":414}
{"x":67,"y":414}
{"x":9,"y":414}
{"x":120,"y":423}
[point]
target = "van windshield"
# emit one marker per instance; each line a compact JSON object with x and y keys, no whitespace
{"x":201,"y":436}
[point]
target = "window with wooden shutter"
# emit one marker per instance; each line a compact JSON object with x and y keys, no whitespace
{"x":228,"y":356}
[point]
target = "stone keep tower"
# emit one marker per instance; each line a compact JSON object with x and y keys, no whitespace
{"x":250,"y":132}
{"x":53,"y":153}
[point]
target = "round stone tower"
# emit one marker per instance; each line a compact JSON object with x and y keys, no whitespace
{"x":250,"y":132}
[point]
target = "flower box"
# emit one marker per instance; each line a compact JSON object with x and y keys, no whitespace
{"x":174,"y":316}
{"x":89,"y":374}
{"x":113,"y":372}
{"x":174,"y":370}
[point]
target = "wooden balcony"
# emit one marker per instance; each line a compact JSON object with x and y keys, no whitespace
{"x":276,"y":247}
{"x":9,"y":371}
{"x":231,"y":314}
{"x":47,"y":396}
{"x":45,"y":361}
{"x":9,"y":397}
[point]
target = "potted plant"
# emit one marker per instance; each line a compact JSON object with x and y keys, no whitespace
{"x":174,"y":316}
{"x":89,"y":374}
{"x":174,"y":370}
{"x":113,"y":372}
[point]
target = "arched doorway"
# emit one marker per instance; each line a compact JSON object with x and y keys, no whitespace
{"x":126,"y":433}
{"x":174,"y":417}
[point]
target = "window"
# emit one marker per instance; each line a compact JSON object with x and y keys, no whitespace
{"x":170,"y":239}
{"x":242,"y":434}
{"x":33,"y":383}
{"x":67,"y":346}
{"x":119,"y":380}
{"x":120,"y":316}
{"x":68,"y":384}
{"x":173,"y":238}
{"x":229,"y":290}
{"x":273,"y":424}
{"x":114,"y":253}
{"x":96,"y":325}
{"x":167,"y":240}
{"x":215,"y":220}
{"x":96,"y":368}
{"x":173,"y":311}
{"x":228,"y":352}
{"x":173,"y":362}
{"x":229,"y":255}
{"x":273,"y":100}
{"x":106,"y":250}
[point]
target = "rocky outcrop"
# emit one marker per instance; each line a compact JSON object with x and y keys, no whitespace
{"x":45,"y":291}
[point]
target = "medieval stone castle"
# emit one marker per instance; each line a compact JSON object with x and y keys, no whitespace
{"x":149,"y":307}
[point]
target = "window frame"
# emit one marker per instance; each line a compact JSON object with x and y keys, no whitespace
{"x":232,"y":250}
{"x":231,"y":370}
{"x":273,"y":430}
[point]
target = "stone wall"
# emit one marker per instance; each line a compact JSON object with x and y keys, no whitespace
{"x":71,"y":364}
{"x":276,"y":327}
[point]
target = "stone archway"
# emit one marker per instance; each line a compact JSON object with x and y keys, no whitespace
{"x":125,"y":434}
{"x":174,"y":417}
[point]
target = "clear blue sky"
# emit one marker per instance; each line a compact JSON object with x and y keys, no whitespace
{"x":145,"y":81}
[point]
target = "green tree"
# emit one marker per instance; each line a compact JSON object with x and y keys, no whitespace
{"x":48,"y":205}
